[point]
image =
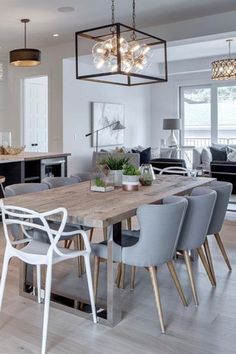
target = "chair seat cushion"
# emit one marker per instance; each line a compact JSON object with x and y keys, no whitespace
{"x":37,"y":248}
{"x":100,"y":249}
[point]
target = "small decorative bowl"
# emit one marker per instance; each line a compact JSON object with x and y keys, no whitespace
{"x":12,"y":150}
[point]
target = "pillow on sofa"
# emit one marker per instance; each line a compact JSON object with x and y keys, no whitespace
{"x":206,"y":157}
{"x":231,"y":155}
{"x":145,"y":155}
{"x":218,"y":154}
{"x":165,"y":153}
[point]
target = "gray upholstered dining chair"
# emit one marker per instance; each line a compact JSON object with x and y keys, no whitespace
{"x":82,"y":176}
{"x":223,"y":190}
{"x":154,"y":246}
{"x":55,"y":182}
{"x":194,"y":231}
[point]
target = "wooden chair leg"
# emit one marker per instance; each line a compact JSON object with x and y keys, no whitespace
{"x":129,"y":224}
{"x":96,"y":275}
{"x":175,"y":278}
{"x":67,"y":243}
{"x":191,"y":278}
{"x":221,"y":246}
{"x":118,"y":274}
{"x":132,"y":284}
{"x":105,"y":236}
{"x":121,"y":283}
{"x":91,"y":235}
{"x":209,"y":259}
{"x":153,"y":276}
{"x":206,"y":266}
{"x":79,"y":259}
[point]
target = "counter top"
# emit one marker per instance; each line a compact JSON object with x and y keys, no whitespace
{"x":26,"y":156}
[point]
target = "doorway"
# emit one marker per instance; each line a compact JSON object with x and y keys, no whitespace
{"x":35,"y":114}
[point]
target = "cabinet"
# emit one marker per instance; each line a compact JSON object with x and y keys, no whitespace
{"x":33,"y":170}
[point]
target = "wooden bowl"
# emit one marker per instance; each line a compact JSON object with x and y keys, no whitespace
{"x":12,"y":150}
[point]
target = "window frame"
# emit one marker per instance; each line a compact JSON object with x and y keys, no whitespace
{"x":214,"y":106}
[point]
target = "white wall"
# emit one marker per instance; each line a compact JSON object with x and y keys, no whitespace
{"x":77,"y":98}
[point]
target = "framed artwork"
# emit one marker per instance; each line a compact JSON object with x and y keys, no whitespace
{"x":104,"y":114}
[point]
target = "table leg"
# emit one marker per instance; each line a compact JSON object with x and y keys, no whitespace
{"x":113,"y":298}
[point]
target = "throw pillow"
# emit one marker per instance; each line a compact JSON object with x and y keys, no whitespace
{"x":145,"y":155}
{"x":231,"y":155}
{"x":206,"y":157}
{"x":165,"y":153}
{"x":218,"y":154}
{"x":155,"y":153}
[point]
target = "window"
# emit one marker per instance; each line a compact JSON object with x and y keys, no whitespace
{"x":208,"y":115}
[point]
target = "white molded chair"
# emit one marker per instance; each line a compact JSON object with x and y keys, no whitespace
{"x":176,"y":170}
{"x":40,"y":253}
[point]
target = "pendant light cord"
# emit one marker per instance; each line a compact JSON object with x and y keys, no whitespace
{"x":134,"y":20}
{"x":25,"y":34}
{"x":230,"y":40}
{"x":113,"y":11}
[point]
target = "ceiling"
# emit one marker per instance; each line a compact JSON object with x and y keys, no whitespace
{"x":46,"y":20}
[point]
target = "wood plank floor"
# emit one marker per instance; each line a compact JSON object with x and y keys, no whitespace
{"x":208,"y":329}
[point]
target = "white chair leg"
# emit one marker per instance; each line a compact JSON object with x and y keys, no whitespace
{"x":90,"y":286}
{"x":38,"y":270}
{"x":4,"y":276}
{"x":46,"y":307}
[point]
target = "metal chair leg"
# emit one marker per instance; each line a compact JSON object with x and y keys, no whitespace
{"x":221,"y":246}
{"x":91,"y":235}
{"x":121,"y":283}
{"x":132,"y":283}
{"x":191,"y":278}
{"x":175,"y":278}
{"x":206,"y":266}
{"x":209,"y":259}
{"x":153,"y":276}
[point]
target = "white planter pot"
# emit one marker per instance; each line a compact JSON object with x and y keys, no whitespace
{"x":130,"y":183}
{"x":117,"y":177}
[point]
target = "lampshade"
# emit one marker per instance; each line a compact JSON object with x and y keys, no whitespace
{"x":25,"y":57}
{"x":118,"y":126}
{"x":171,"y":124}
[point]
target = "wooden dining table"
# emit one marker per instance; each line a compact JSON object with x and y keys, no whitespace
{"x":107,"y":210}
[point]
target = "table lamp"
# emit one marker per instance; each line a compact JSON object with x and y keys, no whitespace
{"x":171,"y":124}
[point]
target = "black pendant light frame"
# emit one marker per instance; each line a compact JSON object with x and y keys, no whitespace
{"x":118,"y":29}
{"x":25,"y":57}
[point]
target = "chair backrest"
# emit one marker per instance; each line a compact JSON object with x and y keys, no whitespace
{"x":158,"y":236}
{"x":22,"y":217}
{"x":223,"y":190}
{"x":54,"y":182}
{"x":175,"y":170}
{"x":197,"y":219}
{"x":23,"y":188}
{"x":82,"y":176}
{"x":19,"y":189}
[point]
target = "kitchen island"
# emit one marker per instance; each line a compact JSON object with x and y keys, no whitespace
{"x":32,"y":166}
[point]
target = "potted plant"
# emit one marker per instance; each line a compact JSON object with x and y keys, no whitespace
{"x":130,"y":177}
{"x":115,"y":165}
{"x":100,"y":182}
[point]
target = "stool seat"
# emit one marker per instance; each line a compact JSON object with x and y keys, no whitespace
{"x":2,"y":179}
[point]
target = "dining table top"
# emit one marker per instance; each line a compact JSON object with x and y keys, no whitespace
{"x":96,"y":209}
